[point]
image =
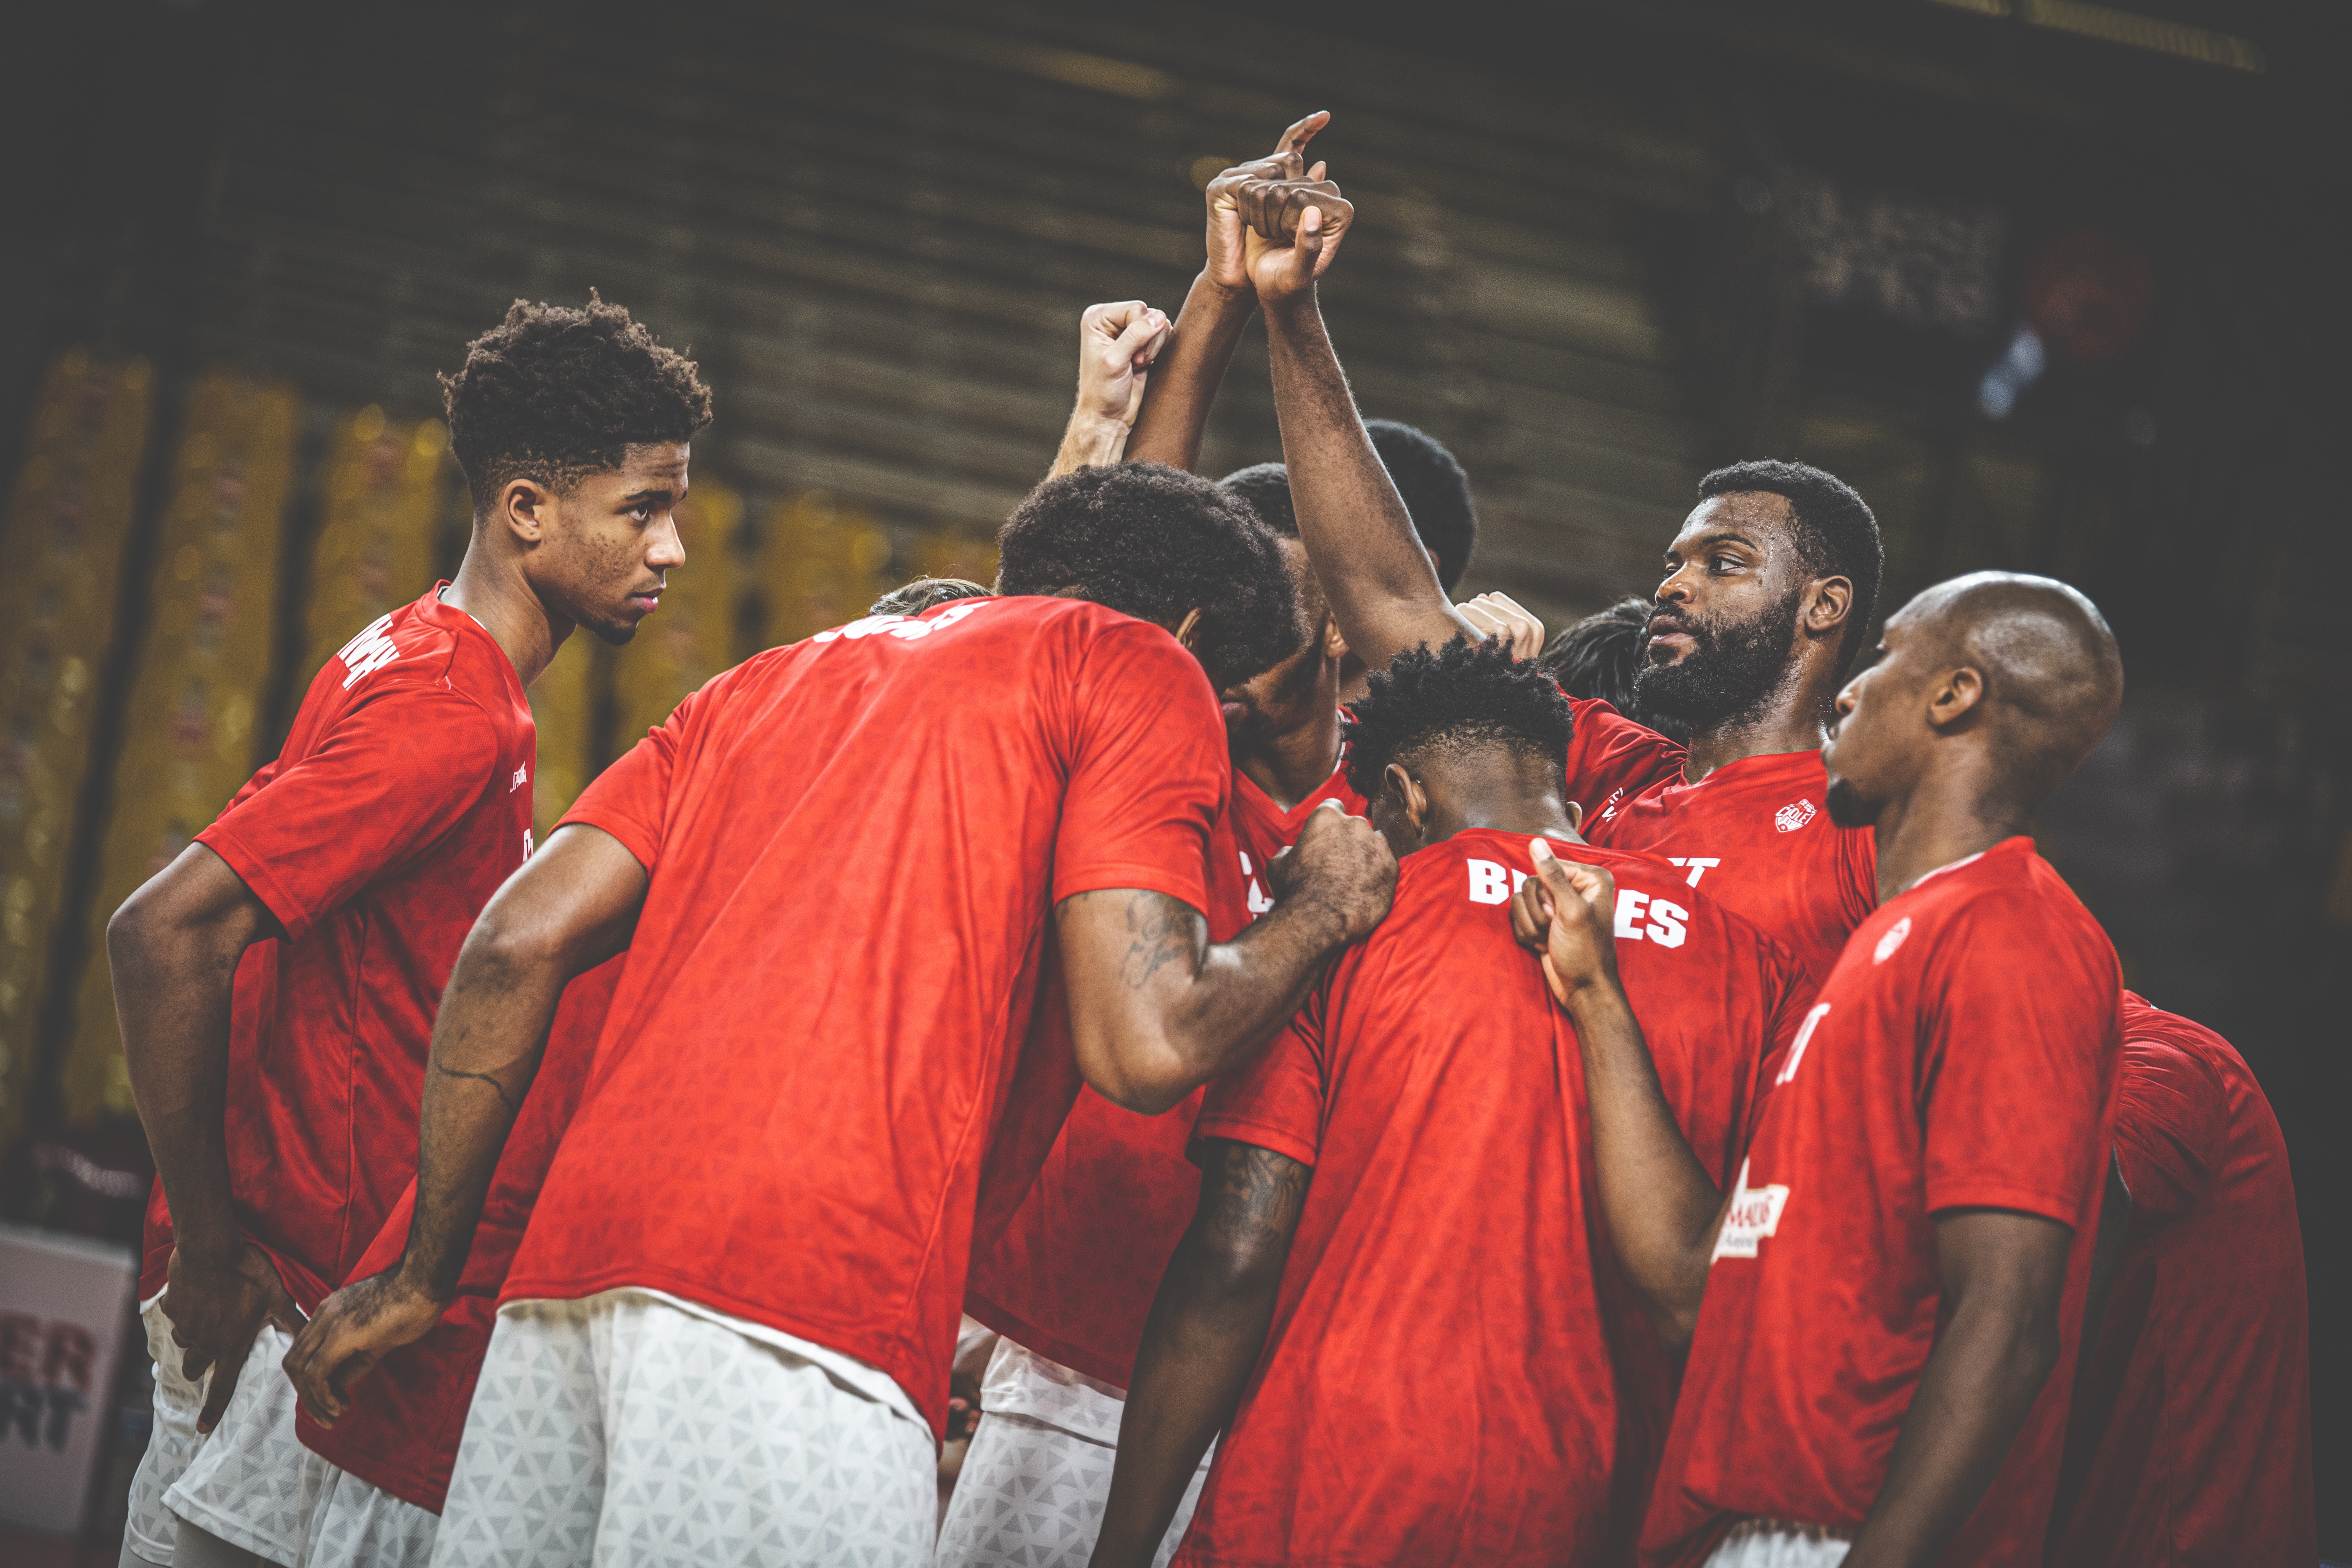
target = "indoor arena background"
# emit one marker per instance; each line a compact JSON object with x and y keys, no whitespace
{"x":2048,"y":281}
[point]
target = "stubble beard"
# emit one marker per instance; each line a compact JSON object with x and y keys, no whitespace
{"x":1729,"y":673}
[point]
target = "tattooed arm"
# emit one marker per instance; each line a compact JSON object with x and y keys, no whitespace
{"x":1157,"y":1009}
{"x":571,"y":906}
{"x":1207,"y":1329}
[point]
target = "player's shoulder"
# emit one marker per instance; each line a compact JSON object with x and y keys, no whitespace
{"x":2157,"y":1041}
{"x":2005,"y":908}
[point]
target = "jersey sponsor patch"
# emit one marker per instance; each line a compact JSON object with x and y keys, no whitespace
{"x":1890,"y":940}
{"x":1753,"y":1213}
{"x":368,"y":652}
{"x":1793,"y":815}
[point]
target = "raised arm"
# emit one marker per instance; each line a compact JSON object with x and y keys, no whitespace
{"x":1176,"y":407}
{"x":1206,"y":1332}
{"x":1382,"y":589}
{"x":2003,"y":1275}
{"x":174,"y":947}
{"x":1157,"y":1009}
{"x":1663,"y":1208}
{"x":570,"y":906}
{"x":1117,"y":346}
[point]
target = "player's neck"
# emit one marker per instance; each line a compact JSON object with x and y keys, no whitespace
{"x":1791,"y":722}
{"x":1950,"y":814}
{"x":495,"y":593}
{"x":1521,"y":796}
{"x":1294,"y":764}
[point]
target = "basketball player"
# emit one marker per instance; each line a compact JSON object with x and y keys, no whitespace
{"x":840,"y":871}
{"x":1396,"y":1297}
{"x":276,"y":983}
{"x":1767,"y":592}
{"x":1887,"y":1299}
{"x":2190,"y":1441}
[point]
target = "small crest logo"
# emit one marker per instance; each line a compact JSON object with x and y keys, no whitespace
{"x":1890,"y":940}
{"x":1790,"y":818}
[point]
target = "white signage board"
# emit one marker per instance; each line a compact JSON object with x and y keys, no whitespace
{"x":64,"y":1302}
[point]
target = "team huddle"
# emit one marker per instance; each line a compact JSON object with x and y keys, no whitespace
{"x":1336,"y":1080}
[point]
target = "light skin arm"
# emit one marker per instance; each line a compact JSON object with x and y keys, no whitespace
{"x":571,"y":906}
{"x":1206,"y":1332}
{"x":2003,"y":1274}
{"x":1157,"y":1010}
{"x":1383,"y":590}
{"x":1117,"y":346}
{"x":173,"y":948}
{"x":1663,"y":1208}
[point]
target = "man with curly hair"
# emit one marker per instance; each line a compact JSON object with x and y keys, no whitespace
{"x":277,"y":982}
{"x":848,"y":873}
{"x":1396,"y":1298}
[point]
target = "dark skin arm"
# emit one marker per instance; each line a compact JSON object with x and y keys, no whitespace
{"x":571,"y":906}
{"x":1192,"y":368}
{"x":173,"y":948}
{"x":1383,"y":588}
{"x":1206,"y":1332}
{"x":2003,"y":1274}
{"x":1664,"y":1209}
{"x":1157,"y":1009}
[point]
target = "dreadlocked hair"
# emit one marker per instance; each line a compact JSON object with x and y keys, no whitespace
{"x":1467,"y":694}
{"x":554,"y":394}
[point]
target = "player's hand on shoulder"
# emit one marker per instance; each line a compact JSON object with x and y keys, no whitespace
{"x":1503,"y":619}
{"x":1342,"y":863}
{"x":354,"y":1329}
{"x":1117,"y":343}
{"x":1567,"y":913}
{"x":216,"y":1309}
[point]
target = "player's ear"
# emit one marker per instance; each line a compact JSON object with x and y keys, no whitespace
{"x":1828,"y":603}
{"x":1334,"y":645}
{"x":1187,"y":630}
{"x":1576,"y":814}
{"x":526,"y":508}
{"x":1409,"y":797}
{"x":1955,"y":694}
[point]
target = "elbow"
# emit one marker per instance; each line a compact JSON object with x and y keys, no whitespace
{"x":1146,"y":1092}
{"x":507,"y":949}
{"x":1138,"y":1070}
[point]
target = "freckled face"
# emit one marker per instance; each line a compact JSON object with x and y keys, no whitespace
{"x":605,"y":562}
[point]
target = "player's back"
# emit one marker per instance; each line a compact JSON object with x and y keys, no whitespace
{"x":1456,"y":1369}
{"x":2192,"y":1443}
{"x":854,"y":847}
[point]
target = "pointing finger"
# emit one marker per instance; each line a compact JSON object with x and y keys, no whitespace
{"x":1299,"y":134}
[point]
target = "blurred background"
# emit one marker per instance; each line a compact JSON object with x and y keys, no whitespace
{"x":2057,"y":285}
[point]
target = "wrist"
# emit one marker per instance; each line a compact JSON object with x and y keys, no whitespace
{"x":1214,"y":291}
{"x":418,"y":1281}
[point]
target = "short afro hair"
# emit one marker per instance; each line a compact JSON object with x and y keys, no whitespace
{"x":1465,"y":695}
{"x":1598,"y":657}
{"x":1154,"y":542}
{"x":554,"y":394}
{"x":1436,"y":494}
{"x":925,"y":593}
{"x":1836,"y":534}
{"x":1266,"y":487}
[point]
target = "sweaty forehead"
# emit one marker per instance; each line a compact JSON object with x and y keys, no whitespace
{"x":1759,"y":516}
{"x":653,"y":462}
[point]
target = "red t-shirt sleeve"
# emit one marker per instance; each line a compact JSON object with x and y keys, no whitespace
{"x":1858,"y":873}
{"x":393,"y":775}
{"x":1148,"y":772}
{"x":1610,"y":754}
{"x":630,"y":800}
{"x":2173,"y":1120}
{"x":2016,"y":1063}
{"x":1276,"y":1101}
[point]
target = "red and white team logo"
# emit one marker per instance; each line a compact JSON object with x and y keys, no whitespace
{"x":1753,"y":1213}
{"x":1790,"y":818}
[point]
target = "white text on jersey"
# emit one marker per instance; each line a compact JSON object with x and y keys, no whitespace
{"x":1666,"y":927}
{"x":369,"y":651}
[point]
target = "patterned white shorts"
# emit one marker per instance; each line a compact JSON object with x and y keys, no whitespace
{"x":352,"y":1523}
{"x":1037,"y":1477}
{"x":624,"y":1429}
{"x":1778,"y":1549}
{"x":242,"y":1481}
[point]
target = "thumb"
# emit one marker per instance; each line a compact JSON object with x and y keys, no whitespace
{"x":1310,"y":234}
{"x":1558,"y":884}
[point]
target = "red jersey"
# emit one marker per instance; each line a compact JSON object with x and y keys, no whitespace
{"x":1611,"y":759}
{"x":401,"y":801}
{"x":855,"y":845}
{"x":2193,"y":1444}
{"x":1757,"y":835}
{"x":1456,"y":1369}
{"x":405,"y":1415}
{"x":1962,"y":1054}
{"x":1073,"y":1274}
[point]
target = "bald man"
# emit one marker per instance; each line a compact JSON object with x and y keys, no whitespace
{"x":1882,"y":1311}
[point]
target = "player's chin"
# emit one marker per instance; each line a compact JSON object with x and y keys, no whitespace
{"x":1848,"y":807}
{"x":615,"y":630}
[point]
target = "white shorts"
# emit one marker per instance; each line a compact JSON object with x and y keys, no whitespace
{"x":1778,"y":1549}
{"x":242,"y":1481}
{"x":352,"y":1523}
{"x":1037,"y":1477}
{"x":628,"y":1428}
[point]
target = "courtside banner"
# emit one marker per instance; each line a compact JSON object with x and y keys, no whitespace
{"x":64,"y":1303}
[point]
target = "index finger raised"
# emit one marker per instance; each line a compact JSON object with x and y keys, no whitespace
{"x":1302,"y":132}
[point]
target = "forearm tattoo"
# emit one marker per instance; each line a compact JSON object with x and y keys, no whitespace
{"x":1259,"y":1195}
{"x":504,"y":1098}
